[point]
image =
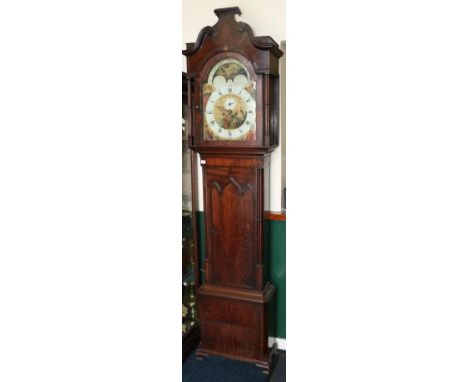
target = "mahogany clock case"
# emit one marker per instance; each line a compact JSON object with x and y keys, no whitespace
{"x":237,"y":297}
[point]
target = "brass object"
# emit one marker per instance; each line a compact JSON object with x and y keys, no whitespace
{"x":189,"y":310}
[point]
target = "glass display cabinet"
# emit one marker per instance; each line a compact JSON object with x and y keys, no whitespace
{"x":190,"y":326}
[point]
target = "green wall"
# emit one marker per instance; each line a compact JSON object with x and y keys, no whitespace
{"x":278,"y":272}
{"x":277,"y":233}
{"x":201,"y":243}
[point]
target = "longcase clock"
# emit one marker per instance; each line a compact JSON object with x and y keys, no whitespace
{"x":233,"y":125}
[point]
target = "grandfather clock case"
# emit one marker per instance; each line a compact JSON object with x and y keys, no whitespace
{"x":233,"y":94}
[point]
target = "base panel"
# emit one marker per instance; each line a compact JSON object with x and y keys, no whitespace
{"x":234,"y":323}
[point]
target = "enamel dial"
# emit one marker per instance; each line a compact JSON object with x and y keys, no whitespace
{"x":229,"y":102}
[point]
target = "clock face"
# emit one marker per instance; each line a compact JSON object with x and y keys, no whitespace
{"x":229,"y":102}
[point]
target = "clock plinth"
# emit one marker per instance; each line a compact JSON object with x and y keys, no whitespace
{"x":233,"y":91}
{"x":235,"y":322}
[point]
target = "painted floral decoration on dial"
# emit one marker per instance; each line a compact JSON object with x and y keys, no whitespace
{"x":229,"y":102}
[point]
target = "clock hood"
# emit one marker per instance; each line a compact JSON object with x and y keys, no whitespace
{"x":228,"y":34}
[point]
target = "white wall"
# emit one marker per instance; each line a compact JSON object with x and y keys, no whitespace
{"x":266,"y":17}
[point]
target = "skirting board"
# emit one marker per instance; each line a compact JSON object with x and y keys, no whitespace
{"x":281,"y":342}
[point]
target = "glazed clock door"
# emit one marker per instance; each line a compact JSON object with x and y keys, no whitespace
{"x":229,"y":102}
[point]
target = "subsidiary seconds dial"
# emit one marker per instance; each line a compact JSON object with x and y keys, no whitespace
{"x":230,"y":112}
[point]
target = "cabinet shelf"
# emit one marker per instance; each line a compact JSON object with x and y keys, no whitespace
{"x":189,"y":276}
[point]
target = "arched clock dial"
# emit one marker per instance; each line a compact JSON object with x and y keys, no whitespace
{"x":229,"y":102}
